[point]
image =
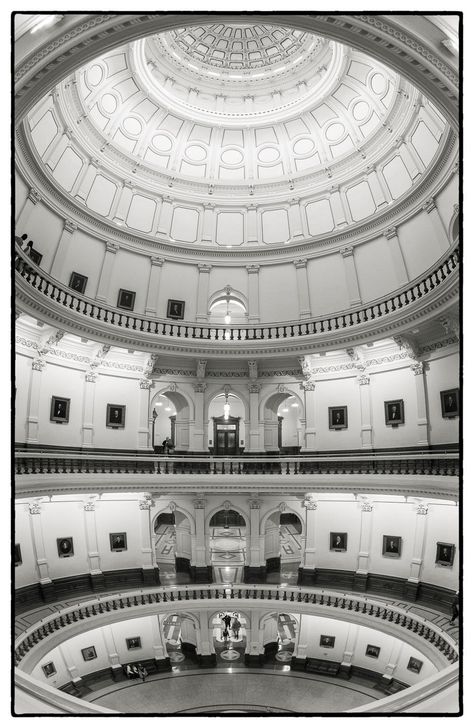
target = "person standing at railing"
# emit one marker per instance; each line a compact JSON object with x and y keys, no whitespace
{"x":454,"y":608}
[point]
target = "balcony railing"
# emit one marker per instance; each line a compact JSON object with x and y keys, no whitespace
{"x":444,"y":464}
{"x":90,"y":309}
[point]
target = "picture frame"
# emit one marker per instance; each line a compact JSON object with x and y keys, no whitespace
{"x":337,"y":418}
{"x":35,"y":256}
{"x":392,"y":546}
{"x":449,"y":403}
{"x":445,"y":553}
{"x":414,"y":665}
{"x":115,"y":416}
{"x":372,"y":651}
{"x":394,"y":412}
{"x":337,"y":541}
{"x":65,"y":547}
{"x":126,"y":299}
{"x":133,"y":643}
{"x":78,"y":282}
{"x":175,"y":309}
{"x":49,"y":669}
{"x":118,"y":541}
{"x":327,"y":640}
{"x":89,"y":653}
{"x":59,"y":411}
{"x":18,"y":559}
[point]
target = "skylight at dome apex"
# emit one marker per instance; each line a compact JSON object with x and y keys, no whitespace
{"x":236,"y":115}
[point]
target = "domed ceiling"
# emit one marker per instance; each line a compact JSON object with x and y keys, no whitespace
{"x":237,"y":134}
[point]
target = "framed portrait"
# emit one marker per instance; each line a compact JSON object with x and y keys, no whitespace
{"x":337,"y":541}
{"x":89,"y":653}
{"x":49,"y":669}
{"x":414,"y":665}
{"x":394,"y":412}
{"x":18,"y":559}
{"x":327,"y":640}
{"x":115,"y":415}
{"x":392,"y":546}
{"x":78,"y":282}
{"x":35,"y":256}
{"x":133,"y":643}
{"x":337,"y":418}
{"x":126,"y":299}
{"x":59,"y":411}
{"x":65,"y":547}
{"x":372,"y":651}
{"x":445,"y":553}
{"x":118,"y":541}
{"x":450,"y":403}
{"x":175,"y":309}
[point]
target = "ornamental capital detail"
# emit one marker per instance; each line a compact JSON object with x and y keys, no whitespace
{"x":34,"y":196}
{"x":91,"y":377}
{"x":282,"y":506}
{"x":429,"y":205}
{"x":309,"y":504}
{"x":38,"y":365}
{"x":367,"y":507}
{"x":300,"y":262}
{"x":254,"y":388}
{"x":111,"y":247}
{"x":347,"y":252}
{"x":253,"y":268}
{"x":200,"y":386}
{"x":89,"y":506}
{"x":70,"y":226}
{"x":363,"y":379}
{"x":199,"y":504}
{"x":204,"y":267}
{"x":34,"y":508}
{"x":418,"y":368}
{"x":255,"y":504}
{"x":390,"y":232}
{"x":145,"y":383}
{"x":145,"y":504}
{"x":422,"y":510}
{"x":157,"y":261}
{"x":308,"y":386}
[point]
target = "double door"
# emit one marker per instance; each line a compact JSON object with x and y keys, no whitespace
{"x":226,"y":436}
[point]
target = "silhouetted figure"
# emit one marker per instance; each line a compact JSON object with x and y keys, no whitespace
{"x":142,"y":672}
{"x":236,"y":625}
{"x":454,"y":608}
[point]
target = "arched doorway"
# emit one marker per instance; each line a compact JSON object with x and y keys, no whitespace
{"x":170,"y":416}
{"x":226,"y":428}
{"x":227,"y":539}
{"x":283,"y":546}
{"x":229,"y":632}
{"x":290,"y":429}
{"x":173,"y":547}
{"x":179,"y":636}
{"x":279,"y":637}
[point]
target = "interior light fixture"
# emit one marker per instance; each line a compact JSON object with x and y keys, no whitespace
{"x":227,"y":317}
{"x":294,"y":404}
{"x":159,"y":404}
{"x":167,"y":409}
{"x":226,"y":407}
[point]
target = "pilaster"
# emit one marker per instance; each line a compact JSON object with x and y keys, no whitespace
{"x":253,"y":293}
{"x":366,"y":429}
{"x":57,"y":266}
{"x":398,"y":261}
{"x":203,"y":292}
{"x":151,"y":306}
{"x":352,"y":280}
{"x":418,"y":369}
{"x":303,"y":288}
{"x":106,"y":272}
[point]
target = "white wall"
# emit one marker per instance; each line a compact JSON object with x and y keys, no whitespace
{"x":387,"y":386}
{"x":442,"y":374}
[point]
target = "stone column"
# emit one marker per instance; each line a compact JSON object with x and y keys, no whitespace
{"x":208,"y":226}
{"x":366,"y":431}
{"x":200,"y":572}
{"x":205,"y":642}
{"x":360,"y":578}
{"x":57,"y":149}
{"x":307,"y":572}
{"x":57,"y":266}
{"x":254,"y":573}
{"x":392,"y":664}
{"x":352,"y":281}
{"x":143,"y":434}
{"x":255,"y":652}
{"x":150,"y":572}
{"x":122,"y":204}
{"x":376,"y":188}
{"x":351,"y":642}
{"x":65,"y":652}
{"x":254,"y":300}
{"x":32,"y":417}
{"x":110,"y":646}
{"x":200,"y":429}
{"x":295,"y":220}
{"x":413,"y":581}
{"x":162,"y":661}
{"x":151,"y":307}
{"x":302,"y":288}
{"x":106,"y":272}
{"x":23,"y":218}
{"x":337,"y":208}
{"x":308,"y":388}
{"x":254,"y":431}
{"x":396,"y":255}
{"x":298,"y":661}
{"x":93,"y":556}
{"x":440,"y":235}
{"x":45,"y":583}
{"x":88,"y":416}
{"x":410,"y":159}
{"x":87,"y":180}
{"x":203,"y":292}
{"x":164,"y":224}
{"x":418,"y":370}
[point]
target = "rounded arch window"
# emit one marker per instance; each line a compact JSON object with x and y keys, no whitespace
{"x":228,"y":310}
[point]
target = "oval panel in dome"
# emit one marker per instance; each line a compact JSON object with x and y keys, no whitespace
{"x":132,"y":125}
{"x":196,"y":153}
{"x":334,"y":131}
{"x":378,"y":83}
{"x":95,"y":75}
{"x":303,"y":146}
{"x":162,"y":143}
{"x":108,"y":103}
{"x":232,"y":156}
{"x":360,"y":110}
{"x":268,"y":154}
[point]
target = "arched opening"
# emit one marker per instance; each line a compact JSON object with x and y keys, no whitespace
{"x":229,"y":634}
{"x":170,"y":413}
{"x":173,"y":549}
{"x":227,"y":307}
{"x":227,"y":540}
{"x":283,"y":547}
{"x":226,"y":426}
{"x":280,"y":632}
{"x":179,"y":636}
{"x":282,"y":425}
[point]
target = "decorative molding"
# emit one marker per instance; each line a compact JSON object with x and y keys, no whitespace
{"x":390,"y":233}
{"x":306,"y":369}
{"x":146,"y":503}
{"x":429,"y":205}
{"x":199,"y":503}
{"x":367,"y":507}
{"x":422,"y":509}
{"x":255,"y":503}
{"x":347,"y":251}
{"x":363,"y":379}
{"x":146,"y":383}
{"x":201,"y":368}
{"x":254,"y":388}
{"x":309,"y":504}
{"x":38,"y":365}
{"x":156,"y":261}
{"x":418,"y":368}
{"x":253,"y":369}
{"x":254,"y":268}
{"x":172,"y":506}
{"x":282,"y":506}
{"x":70,"y":226}
{"x":91,"y":377}
{"x":200,"y":387}
{"x":111,"y":247}
{"x":300,"y":263}
{"x":89,"y":506}
{"x":408,"y":344}
{"x":34,"y":508}
{"x":227,"y":505}
{"x":308,"y":386}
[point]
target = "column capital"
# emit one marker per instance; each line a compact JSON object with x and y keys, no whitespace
{"x":308,"y":386}
{"x":254,"y":268}
{"x":422,"y":509}
{"x":367,"y":507}
{"x":199,"y":503}
{"x":89,"y":506}
{"x":390,"y":233}
{"x":91,"y":377}
{"x":204,"y":267}
{"x":70,"y":226}
{"x":363,"y":379}
{"x":146,"y":503}
{"x":429,"y":205}
{"x":34,"y":196}
{"x":157,"y":261}
{"x":254,"y":388}
{"x":38,"y":365}
{"x":34,"y":508}
{"x":347,"y":251}
{"x":111,"y":247}
{"x":309,"y":504}
{"x":145,"y":383}
{"x":199,"y":386}
{"x":418,"y":368}
{"x":300,"y":262}
{"x":255,"y":503}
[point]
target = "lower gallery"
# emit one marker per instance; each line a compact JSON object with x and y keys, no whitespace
{"x":236,"y":252}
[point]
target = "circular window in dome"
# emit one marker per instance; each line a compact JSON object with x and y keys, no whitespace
{"x":132,"y":125}
{"x":95,"y":75}
{"x":378,"y":83}
{"x":109,"y":103}
{"x":303,"y":146}
{"x":360,"y":110}
{"x":196,"y":153}
{"x":268,"y":154}
{"x":162,"y":143}
{"x":232,"y":156}
{"x":334,"y":132}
